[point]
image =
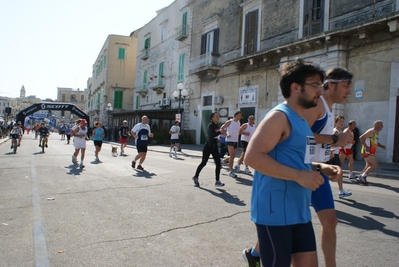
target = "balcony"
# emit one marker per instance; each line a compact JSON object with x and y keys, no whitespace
{"x":207,"y":64}
{"x":182,"y":32}
{"x":159,"y":86}
{"x":141,"y":91}
{"x":145,"y":53}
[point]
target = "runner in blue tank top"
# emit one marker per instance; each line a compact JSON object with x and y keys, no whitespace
{"x":281,"y":152}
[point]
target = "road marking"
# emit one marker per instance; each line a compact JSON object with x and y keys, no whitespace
{"x":39,"y":236}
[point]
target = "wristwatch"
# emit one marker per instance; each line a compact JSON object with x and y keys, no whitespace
{"x":334,"y":138}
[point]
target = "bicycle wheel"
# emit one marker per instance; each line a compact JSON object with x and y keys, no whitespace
{"x":15,"y":146}
{"x":43,"y":143}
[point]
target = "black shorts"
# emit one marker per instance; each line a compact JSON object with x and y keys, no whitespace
{"x":15,"y":136}
{"x":244,"y":145}
{"x":141,"y":149}
{"x":174,"y":141}
{"x":98,"y":143}
{"x":278,"y":243}
{"x":233,"y":144}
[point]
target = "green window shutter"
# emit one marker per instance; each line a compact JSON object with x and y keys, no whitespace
{"x":118,"y":99}
{"x":184,"y":24}
{"x":160,"y":74}
{"x":137,"y":102}
{"x":147,"y":43}
{"x":180,"y":75}
{"x":121,"y":53}
{"x":145,"y":80}
{"x":105,"y":60}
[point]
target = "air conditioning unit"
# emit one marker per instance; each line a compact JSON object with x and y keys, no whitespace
{"x":218,"y":100}
{"x":165,"y":102}
{"x":160,"y":102}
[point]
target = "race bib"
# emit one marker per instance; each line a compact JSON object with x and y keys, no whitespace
{"x":310,"y":149}
{"x":144,"y":137}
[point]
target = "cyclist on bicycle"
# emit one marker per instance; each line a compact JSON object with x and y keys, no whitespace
{"x":16,"y":133}
{"x":44,"y":133}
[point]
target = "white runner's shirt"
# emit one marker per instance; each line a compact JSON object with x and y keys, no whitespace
{"x":322,"y":153}
{"x":233,"y":130}
{"x":249,"y":129}
{"x":176,"y":129}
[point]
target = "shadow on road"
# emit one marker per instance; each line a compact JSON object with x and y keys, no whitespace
{"x":223,"y":194}
{"x":388,"y":187}
{"x":366,"y":223}
{"x":144,"y":174}
{"x":74,"y":169}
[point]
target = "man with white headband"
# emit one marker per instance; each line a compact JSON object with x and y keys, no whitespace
{"x":336,"y":89}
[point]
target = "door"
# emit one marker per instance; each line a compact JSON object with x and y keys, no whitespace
{"x":205,"y":120}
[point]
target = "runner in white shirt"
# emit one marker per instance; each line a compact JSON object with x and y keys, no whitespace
{"x":174,"y":139}
{"x":246,"y":131}
{"x":231,"y":129}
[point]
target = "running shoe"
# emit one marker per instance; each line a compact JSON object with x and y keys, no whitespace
{"x":219,"y":184}
{"x":74,"y":160}
{"x":175,"y":154}
{"x":362,"y":180}
{"x":133,"y":164}
{"x":343,"y":194}
{"x":81,"y":165}
{"x":196,"y":183}
{"x":12,"y":147}
{"x":251,"y":260}
{"x":140,"y":167}
{"x":237,"y":168}
{"x":353,"y":176}
{"x":247,"y":171}
{"x":232,"y":174}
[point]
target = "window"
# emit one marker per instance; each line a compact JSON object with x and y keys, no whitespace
{"x":251,"y":32}
{"x":163,"y":34}
{"x":208,"y":100}
{"x":184,"y":24}
{"x":118,"y":99}
{"x":63,"y":98}
{"x":180,"y":75}
{"x":62,"y":113}
{"x":313,"y":14}
{"x":160,"y":74}
{"x":82,"y":98}
{"x":210,"y":42}
{"x":147,"y":43}
{"x":145,"y":80}
{"x":105,"y":60}
{"x":73,"y":98}
{"x":121,"y":53}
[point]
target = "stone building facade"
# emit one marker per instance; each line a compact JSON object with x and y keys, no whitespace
{"x":256,"y":37}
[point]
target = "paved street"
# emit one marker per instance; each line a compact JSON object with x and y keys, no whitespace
{"x":111,"y":215}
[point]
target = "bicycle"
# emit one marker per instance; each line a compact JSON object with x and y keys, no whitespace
{"x":43,"y":142}
{"x":14,"y":142}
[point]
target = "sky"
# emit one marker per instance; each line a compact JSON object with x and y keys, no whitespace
{"x":45,"y":44}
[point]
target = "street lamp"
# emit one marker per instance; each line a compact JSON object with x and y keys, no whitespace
{"x":109,"y":109}
{"x":180,"y":96}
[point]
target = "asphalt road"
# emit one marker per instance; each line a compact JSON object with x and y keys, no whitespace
{"x":111,"y":215}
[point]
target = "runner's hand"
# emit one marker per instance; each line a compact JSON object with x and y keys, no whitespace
{"x":310,"y":179}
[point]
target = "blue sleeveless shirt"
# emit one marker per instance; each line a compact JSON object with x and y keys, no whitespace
{"x":277,"y":202}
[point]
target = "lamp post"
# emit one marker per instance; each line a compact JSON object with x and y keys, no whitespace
{"x":180,"y":95}
{"x":109,"y":109}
